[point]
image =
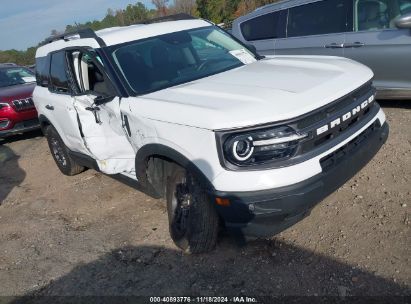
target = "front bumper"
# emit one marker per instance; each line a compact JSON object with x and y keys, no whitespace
{"x":268,"y":212}
{"x":21,"y":127}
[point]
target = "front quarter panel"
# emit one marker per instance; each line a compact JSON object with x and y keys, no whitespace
{"x":195,"y":144}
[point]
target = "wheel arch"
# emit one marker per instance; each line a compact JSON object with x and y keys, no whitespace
{"x":44,"y":123}
{"x":166,"y":158}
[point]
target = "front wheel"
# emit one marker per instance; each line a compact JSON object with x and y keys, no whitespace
{"x":193,"y":220}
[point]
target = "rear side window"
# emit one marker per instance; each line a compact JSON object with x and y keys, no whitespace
{"x":43,"y":70}
{"x":323,"y":17}
{"x":268,"y":26}
{"x":58,"y":74}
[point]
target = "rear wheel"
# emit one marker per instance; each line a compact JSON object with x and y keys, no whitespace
{"x":60,"y":153}
{"x":193,"y":220}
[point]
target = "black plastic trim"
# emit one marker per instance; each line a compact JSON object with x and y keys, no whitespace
{"x":44,"y":121}
{"x":90,"y":163}
{"x":84,"y":160}
{"x":175,"y":17}
{"x":83,"y":33}
{"x":160,"y":150}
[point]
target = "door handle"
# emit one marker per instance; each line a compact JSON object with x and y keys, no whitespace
{"x":49,"y":107}
{"x":353,"y":45}
{"x":95,"y":111}
{"x":334,"y":46}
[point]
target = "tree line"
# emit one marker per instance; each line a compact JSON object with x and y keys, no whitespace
{"x":218,"y":11}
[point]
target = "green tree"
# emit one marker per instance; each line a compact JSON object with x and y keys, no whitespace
{"x":184,"y":6}
{"x":161,"y":6}
{"x":135,"y":13}
{"x":217,"y":10}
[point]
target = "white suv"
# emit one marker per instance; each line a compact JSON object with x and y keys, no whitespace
{"x":228,"y":138}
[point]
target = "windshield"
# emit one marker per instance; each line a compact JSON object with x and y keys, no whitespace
{"x":159,"y":62}
{"x":14,"y":76}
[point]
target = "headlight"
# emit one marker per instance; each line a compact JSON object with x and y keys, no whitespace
{"x":242,"y":148}
{"x":261,"y":146}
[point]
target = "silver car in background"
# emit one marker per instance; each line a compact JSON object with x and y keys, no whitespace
{"x":376,"y":33}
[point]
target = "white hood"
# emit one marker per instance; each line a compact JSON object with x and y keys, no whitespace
{"x":270,"y":90}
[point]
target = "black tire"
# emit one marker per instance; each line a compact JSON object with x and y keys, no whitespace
{"x":193,"y":220}
{"x":60,"y":153}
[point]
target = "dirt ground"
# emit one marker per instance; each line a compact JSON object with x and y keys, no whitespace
{"x":92,"y":235}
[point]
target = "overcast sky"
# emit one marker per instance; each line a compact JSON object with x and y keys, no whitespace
{"x":24,"y":23}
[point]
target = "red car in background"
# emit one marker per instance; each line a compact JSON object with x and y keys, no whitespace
{"x":17,"y":111}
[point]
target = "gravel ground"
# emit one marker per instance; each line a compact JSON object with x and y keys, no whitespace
{"x":92,"y":235}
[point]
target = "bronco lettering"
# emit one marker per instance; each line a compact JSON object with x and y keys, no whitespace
{"x":346,"y":116}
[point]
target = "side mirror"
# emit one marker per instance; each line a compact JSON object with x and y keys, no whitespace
{"x":252,"y":48}
{"x":99,"y":100}
{"x":403,"y":21}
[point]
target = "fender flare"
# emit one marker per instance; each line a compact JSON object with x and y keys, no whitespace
{"x":44,"y":121}
{"x":159,"y":150}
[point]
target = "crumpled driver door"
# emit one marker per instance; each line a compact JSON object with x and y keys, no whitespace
{"x":103,"y":134}
{"x":98,"y":114}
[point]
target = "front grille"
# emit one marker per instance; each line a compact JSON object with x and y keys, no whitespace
{"x":334,"y":107}
{"x":334,"y":112}
{"x":337,"y":156}
{"x":23,"y":104}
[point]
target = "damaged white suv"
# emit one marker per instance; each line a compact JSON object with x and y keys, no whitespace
{"x":228,"y":138}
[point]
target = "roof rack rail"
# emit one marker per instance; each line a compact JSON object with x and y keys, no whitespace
{"x":82,"y":33}
{"x":176,"y":17}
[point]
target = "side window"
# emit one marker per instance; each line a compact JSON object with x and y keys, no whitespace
{"x":378,"y":14}
{"x":42,"y":71}
{"x":58,"y":73}
{"x":87,"y":75}
{"x":268,"y":26}
{"x":319,"y":18}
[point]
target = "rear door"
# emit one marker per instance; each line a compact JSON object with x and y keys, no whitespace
{"x":57,"y":103}
{"x":98,"y":114}
{"x":317,"y":28}
{"x":377,"y":43}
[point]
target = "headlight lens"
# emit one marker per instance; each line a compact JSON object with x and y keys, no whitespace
{"x":242,"y":148}
{"x":262,"y":146}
